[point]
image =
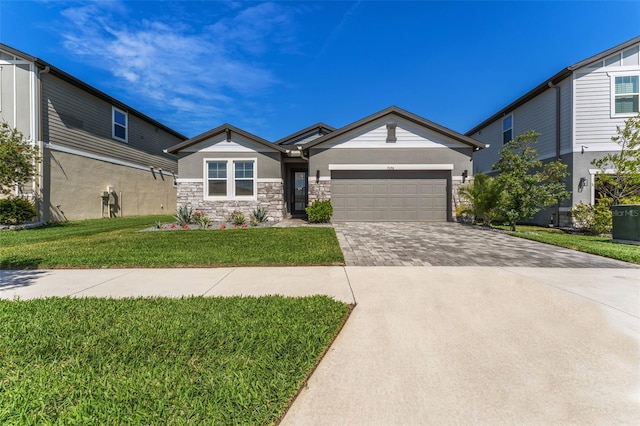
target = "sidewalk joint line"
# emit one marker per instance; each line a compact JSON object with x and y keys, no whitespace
{"x":219,"y":281}
{"x":355,"y":302}
{"x":100,"y":283}
{"x":574,"y":293}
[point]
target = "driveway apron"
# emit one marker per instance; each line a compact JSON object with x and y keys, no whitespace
{"x":452,"y":244}
{"x":481,"y":345}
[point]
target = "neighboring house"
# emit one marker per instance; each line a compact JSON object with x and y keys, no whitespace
{"x":576,"y":113}
{"x":390,"y":166}
{"x":99,"y":156}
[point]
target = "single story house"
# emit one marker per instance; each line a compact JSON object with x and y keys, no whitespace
{"x":390,"y":166}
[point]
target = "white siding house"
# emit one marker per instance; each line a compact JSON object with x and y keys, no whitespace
{"x":576,"y":113}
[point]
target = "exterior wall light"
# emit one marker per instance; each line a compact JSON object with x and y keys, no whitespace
{"x":582,"y":183}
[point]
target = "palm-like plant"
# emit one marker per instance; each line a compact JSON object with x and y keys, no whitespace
{"x":483,"y":196}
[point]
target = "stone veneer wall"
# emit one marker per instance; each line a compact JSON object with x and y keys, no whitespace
{"x":270,"y":197}
{"x":319,"y":190}
{"x":456,"y":200}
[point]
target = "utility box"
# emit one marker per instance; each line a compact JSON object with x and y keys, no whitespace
{"x":626,"y":223}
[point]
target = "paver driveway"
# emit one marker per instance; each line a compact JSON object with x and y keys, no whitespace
{"x":452,"y":244}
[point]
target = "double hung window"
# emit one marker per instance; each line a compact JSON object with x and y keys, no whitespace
{"x":243,"y":178}
{"x":119,"y":124}
{"x":230,"y":178}
{"x":217,"y":179}
{"x":626,"y":94}
{"x":507,"y":129}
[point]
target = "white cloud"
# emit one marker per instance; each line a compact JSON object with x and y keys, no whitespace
{"x":202,"y":75}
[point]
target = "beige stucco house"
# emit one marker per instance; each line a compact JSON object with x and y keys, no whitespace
{"x":100,"y":157}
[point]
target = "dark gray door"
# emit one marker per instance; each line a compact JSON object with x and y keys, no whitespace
{"x":298,"y":192}
{"x":387,"y":196}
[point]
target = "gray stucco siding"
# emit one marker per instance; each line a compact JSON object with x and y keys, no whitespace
{"x":268,"y":164}
{"x":321,"y":158}
{"x":581,"y":169}
{"x":76,"y":119}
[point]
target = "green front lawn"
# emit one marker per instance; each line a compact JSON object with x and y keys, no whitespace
{"x":160,"y":361}
{"x":601,"y":246}
{"x":117,"y":243}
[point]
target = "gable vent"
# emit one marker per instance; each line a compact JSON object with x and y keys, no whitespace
{"x":391,"y":132}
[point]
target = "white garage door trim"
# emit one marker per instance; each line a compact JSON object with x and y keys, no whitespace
{"x":390,"y":166}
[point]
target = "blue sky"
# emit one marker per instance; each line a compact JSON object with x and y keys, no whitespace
{"x":274,"y":68}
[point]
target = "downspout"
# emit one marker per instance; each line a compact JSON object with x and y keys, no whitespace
{"x":557,"y":88}
{"x":302,"y":153}
{"x":39,"y":140}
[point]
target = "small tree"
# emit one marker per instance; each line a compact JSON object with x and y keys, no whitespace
{"x":483,"y":196}
{"x":17,"y":159}
{"x":624,"y":180}
{"x":527,"y":184}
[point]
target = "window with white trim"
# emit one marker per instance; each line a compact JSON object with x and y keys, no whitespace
{"x":243,"y":178}
{"x":507,"y":129}
{"x":119,"y":125}
{"x":626,"y":94}
{"x":216,"y":179}
{"x":230,"y":178}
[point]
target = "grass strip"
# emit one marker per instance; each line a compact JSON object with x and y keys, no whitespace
{"x":117,"y":243}
{"x":196,"y":360}
{"x":602,"y":246}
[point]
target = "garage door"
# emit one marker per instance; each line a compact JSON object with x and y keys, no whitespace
{"x":386,"y":196}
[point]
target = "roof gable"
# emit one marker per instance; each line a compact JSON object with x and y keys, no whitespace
{"x":225,"y":133}
{"x":306,"y":135}
{"x":418,"y":125}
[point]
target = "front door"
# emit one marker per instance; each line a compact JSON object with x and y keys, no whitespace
{"x":298,"y":192}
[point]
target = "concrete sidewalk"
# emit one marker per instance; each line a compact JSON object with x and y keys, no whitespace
{"x":176,"y":282}
{"x":431,"y":345}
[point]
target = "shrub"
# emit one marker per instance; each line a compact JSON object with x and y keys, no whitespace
{"x":482,"y":198}
{"x":593,"y":219}
{"x":631,"y":200}
{"x":237,"y":218}
{"x":463,"y":214}
{"x":18,"y":159}
{"x":319,"y":211}
{"x":184,"y":215}
{"x":201,"y":219}
{"x":259,"y":214}
{"x":15,"y":211}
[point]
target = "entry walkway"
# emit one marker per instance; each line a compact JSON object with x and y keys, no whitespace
{"x":452,"y":244}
